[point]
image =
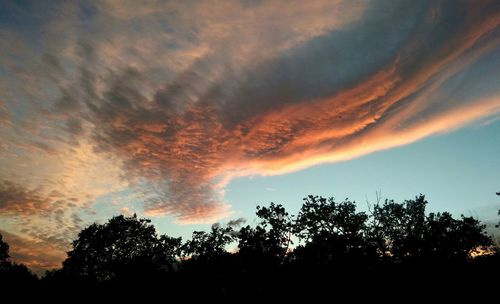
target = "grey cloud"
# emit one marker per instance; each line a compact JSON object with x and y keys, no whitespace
{"x":16,"y":199}
{"x":183,"y":131}
{"x":209,"y":115}
{"x":324,"y":65}
{"x":236,"y":222}
{"x":74,"y":126}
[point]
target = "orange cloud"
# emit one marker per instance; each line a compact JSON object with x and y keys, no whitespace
{"x":38,"y":256}
{"x":189,"y":151}
{"x":169,"y":115}
{"x":361,"y":120}
{"x":15,"y":199}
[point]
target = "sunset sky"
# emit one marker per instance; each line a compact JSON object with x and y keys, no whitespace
{"x":193,"y":112}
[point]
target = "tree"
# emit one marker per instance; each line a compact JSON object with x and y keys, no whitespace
{"x":207,"y":264}
{"x":451,"y":239}
{"x":333,"y":233}
{"x":404,"y":232}
{"x":4,"y":251}
{"x":124,"y":247}
{"x":271,"y":238}
{"x":397,"y":229}
{"x":209,"y":245}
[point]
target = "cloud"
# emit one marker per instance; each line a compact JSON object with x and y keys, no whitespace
{"x":48,"y":197}
{"x":237,"y":222}
{"x":166,"y":102}
{"x":17,"y":200}
{"x":207,"y":125}
{"x":47,"y":219}
{"x":38,"y":256}
{"x":250,"y":103}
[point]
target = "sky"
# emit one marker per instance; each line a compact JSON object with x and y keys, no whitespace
{"x":195,"y":112}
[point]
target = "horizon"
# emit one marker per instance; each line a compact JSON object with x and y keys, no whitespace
{"x":194,"y":113}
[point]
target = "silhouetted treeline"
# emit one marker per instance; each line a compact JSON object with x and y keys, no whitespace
{"x":327,"y":245}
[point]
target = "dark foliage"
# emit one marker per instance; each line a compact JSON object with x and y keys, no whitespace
{"x":270,"y":239}
{"x":4,"y":250}
{"x":125,"y":250}
{"x":207,"y":246}
{"x":328,"y":243}
{"x":334,"y":234}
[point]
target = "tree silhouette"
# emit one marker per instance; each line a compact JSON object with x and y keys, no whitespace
{"x":271,"y":238}
{"x":123,"y":247}
{"x":405,"y":233}
{"x":207,"y":266}
{"x":4,"y":251}
{"x":209,"y":245}
{"x":392,"y":246}
{"x":451,"y":239}
{"x":333,"y":233}
{"x":398,"y":229}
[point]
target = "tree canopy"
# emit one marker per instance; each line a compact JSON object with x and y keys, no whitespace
{"x":326,"y":239}
{"x":124,"y":246}
{"x":4,"y":250}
